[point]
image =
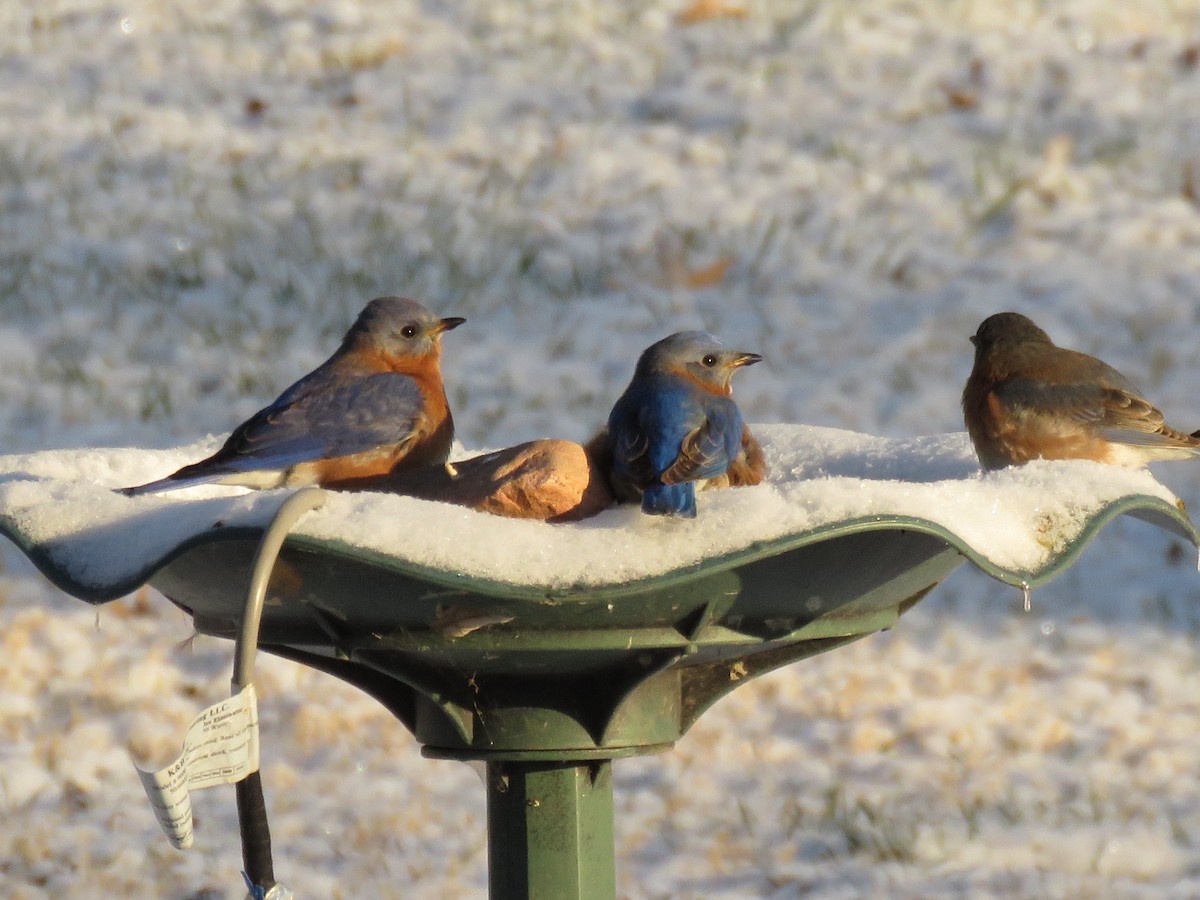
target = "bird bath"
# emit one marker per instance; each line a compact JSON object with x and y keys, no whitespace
{"x":547,"y":684}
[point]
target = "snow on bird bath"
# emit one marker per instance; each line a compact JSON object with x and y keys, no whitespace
{"x":1016,"y":518}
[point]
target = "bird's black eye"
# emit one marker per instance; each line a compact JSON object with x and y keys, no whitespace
{"x":408,"y":331}
{"x":710,"y":360}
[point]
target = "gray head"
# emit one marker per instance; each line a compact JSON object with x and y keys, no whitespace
{"x":398,"y":327}
{"x":698,"y":356}
{"x":1007,"y":328}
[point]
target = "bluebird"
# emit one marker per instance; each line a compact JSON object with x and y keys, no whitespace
{"x":676,"y":424}
{"x":1029,"y":399}
{"x":376,"y":406}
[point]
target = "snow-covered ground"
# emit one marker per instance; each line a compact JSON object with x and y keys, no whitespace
{"x":195,"y":199}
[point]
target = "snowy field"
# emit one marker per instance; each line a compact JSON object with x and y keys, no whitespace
{"x":195,"y":199}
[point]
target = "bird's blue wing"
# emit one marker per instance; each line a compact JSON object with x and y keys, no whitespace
{"x":628,"y":444}
{"x":707,"y":450}
{"x":337,"y":418}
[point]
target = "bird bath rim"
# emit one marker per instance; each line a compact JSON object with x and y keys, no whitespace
{"x":1153,"y":510}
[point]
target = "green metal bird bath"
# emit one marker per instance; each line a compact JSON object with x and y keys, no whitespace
{"x":549,"y":686}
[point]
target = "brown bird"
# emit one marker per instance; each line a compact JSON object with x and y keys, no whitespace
{"x":1029,"y":399}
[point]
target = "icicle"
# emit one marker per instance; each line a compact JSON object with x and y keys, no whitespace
{"x":1027,"y":592}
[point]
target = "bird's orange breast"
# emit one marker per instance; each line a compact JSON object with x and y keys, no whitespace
{"x":1003,"y":438}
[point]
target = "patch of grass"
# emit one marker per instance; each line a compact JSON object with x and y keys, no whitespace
{"x":883,"y":834}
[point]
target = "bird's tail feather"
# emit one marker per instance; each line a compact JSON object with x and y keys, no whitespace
{"x":670,"y":500}
{"x":170,"y":483}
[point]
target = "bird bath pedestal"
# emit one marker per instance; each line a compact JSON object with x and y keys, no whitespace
{"x":549,"y":688}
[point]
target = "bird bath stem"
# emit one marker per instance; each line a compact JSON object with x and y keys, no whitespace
{"x":550,"y":829}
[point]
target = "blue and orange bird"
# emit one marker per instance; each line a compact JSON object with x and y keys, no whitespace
{"x":676,"y":424}
{"x":1027,"y":399}
{"x":376,"y":406}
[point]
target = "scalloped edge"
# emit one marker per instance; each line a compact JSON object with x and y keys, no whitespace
{"x":1153,"y":510}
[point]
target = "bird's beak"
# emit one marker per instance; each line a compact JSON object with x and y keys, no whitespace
{"x":448,"y":324}
{"x":745,"y":359}
{"x":974,"y":340}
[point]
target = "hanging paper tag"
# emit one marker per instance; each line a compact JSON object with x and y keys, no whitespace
{"x":221,"y":747}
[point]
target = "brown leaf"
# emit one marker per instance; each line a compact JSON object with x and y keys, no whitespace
{"x":457,"y":620}
{"x":285,"y":584}
{"x":960,"y":98}
{"x":708,"y":276}
{"x":704,"y":10}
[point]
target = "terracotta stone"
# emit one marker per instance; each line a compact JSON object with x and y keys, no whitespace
{"x":552,"y":480}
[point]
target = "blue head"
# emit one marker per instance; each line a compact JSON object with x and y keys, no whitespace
{"x":400,"y":328}
{"x":698,"y":357}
